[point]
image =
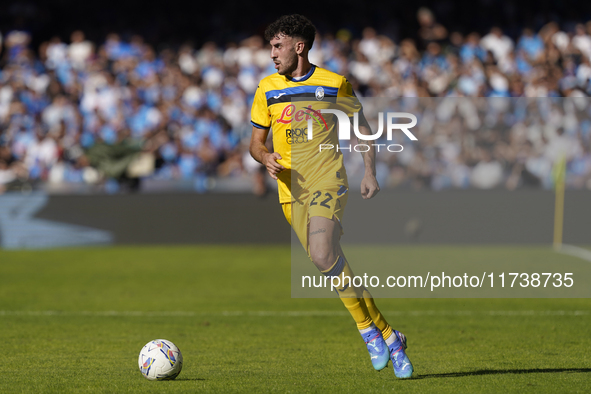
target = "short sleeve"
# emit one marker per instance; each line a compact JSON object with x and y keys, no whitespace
{"x":259,"y":115}
{"x":347,"y":100}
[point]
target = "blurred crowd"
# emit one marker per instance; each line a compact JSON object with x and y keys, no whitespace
{"x":113,"y":113}
{"x":483,"y":143}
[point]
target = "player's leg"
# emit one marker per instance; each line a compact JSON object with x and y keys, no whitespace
{"x":326,"y":253}
{"x":376,"y":316}
{"x":395,"y":340}
{"x":323,"y":239}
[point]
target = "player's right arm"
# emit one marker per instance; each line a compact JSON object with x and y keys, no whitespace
{"x":261,"y":123}
{"x":260,"y":153}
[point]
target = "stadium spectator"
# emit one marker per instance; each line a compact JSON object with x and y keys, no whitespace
{"x":430,"y":31}
{"x":497,"y":43}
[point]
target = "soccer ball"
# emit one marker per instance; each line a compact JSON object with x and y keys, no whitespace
{"x":160,"y":360}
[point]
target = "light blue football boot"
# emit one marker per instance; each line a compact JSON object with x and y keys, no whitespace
{"x":378,"y":350}
{"x":402,"y":366}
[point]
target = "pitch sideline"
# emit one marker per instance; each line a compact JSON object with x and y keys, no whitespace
{"x":287,"y":313}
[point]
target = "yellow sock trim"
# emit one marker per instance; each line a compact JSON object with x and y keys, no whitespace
{"x":358,"y":310}
{"x":376,"y":315}
{"x":351,"y":296}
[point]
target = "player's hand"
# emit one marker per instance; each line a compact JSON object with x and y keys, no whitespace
{"x":369,"y":186}
{"x":270,"y":161}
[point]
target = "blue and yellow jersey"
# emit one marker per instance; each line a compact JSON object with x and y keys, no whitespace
{"x":282,"y":104}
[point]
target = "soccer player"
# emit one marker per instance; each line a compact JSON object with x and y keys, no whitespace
{"x":313,"y":194}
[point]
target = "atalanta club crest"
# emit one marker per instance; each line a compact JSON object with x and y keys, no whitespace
{"x":319,"y":93}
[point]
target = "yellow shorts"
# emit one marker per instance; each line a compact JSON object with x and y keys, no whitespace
{"x":327,"y":202}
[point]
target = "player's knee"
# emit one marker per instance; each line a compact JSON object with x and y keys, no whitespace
{"x":322,"y":258}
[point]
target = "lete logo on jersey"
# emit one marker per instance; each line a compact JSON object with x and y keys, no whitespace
{"x":287,"y":115}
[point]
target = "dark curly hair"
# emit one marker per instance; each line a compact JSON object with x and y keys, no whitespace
{"x":293,"y":26}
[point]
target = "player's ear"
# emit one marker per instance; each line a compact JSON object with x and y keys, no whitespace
{"x":300,"y":46}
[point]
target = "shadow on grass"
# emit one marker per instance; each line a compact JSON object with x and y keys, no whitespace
{"x":194,"y":379}
{"x":502,"y":372}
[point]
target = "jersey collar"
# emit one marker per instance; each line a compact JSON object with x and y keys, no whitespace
{"x":308,"y":75}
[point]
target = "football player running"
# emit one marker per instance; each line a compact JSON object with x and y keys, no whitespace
{"x":313,"y":193}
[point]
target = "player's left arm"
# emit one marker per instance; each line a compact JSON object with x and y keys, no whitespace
{"x":369,"y":183}
{"x":350,"y":103}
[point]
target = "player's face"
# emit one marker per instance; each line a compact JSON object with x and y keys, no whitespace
{"x":284,"y":55}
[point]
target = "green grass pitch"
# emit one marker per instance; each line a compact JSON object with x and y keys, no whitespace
{"x":75,"y":320}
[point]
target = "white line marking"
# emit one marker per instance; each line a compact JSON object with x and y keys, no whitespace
{"x":288,"y":313}
{"x":575,"y":251}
